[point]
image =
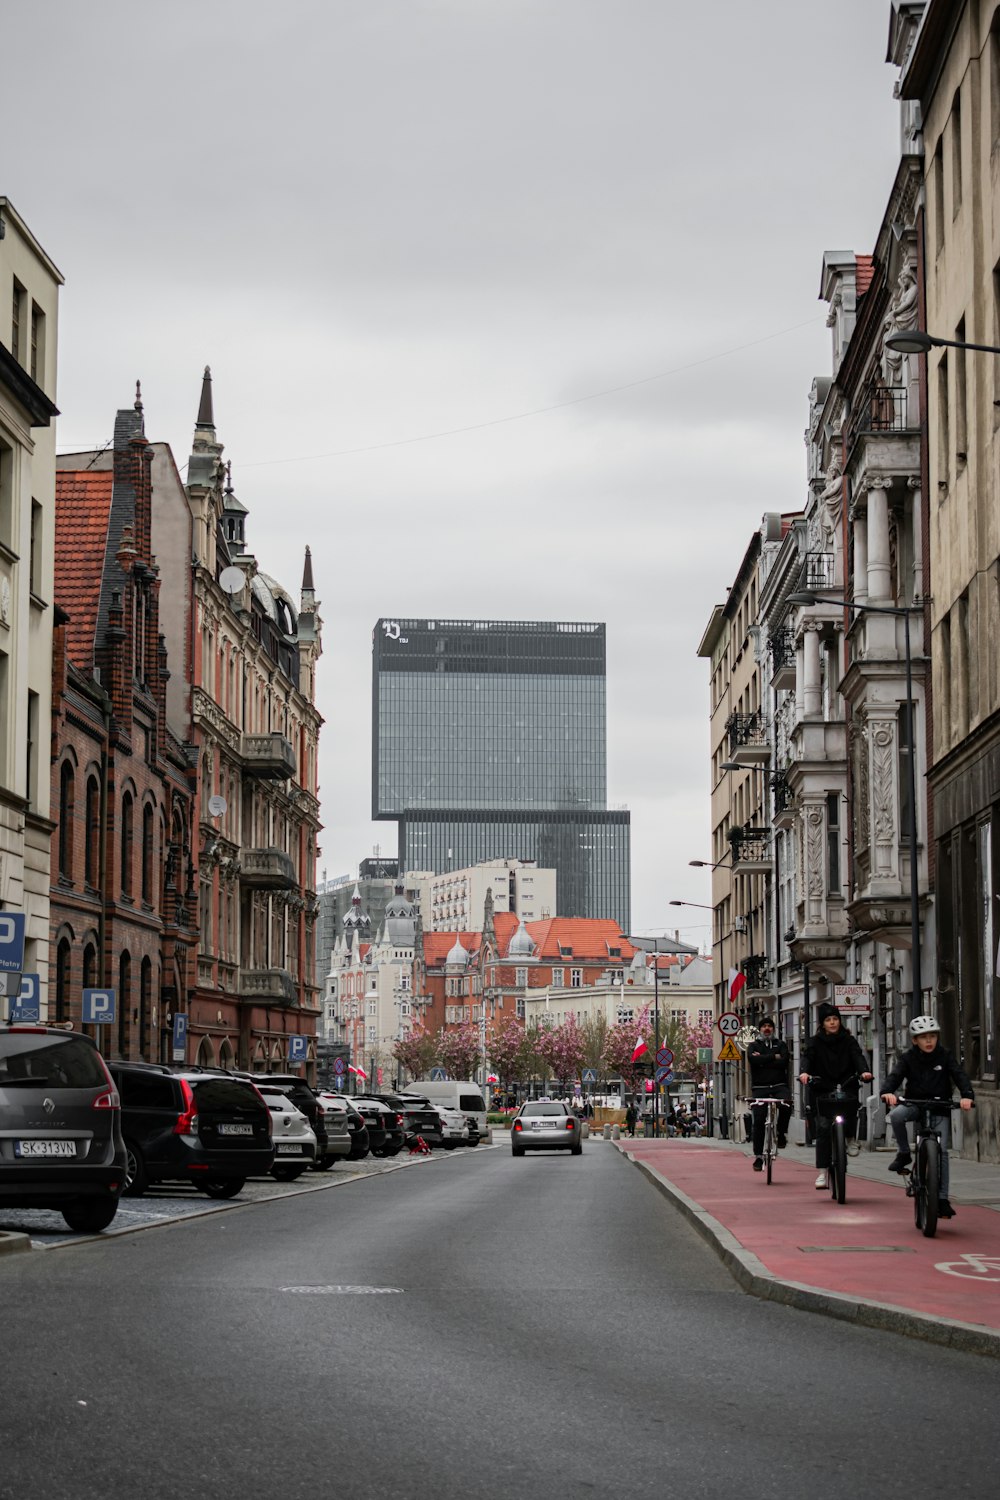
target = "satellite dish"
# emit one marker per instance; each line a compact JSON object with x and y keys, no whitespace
{"x":216,"y":806}
{"x":232,"y":580}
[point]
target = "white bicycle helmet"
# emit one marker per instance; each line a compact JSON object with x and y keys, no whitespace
{"x":924,"y":1025}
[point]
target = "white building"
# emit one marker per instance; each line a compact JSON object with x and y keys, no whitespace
{"x":454,"y":902}
{"x":369,"y":1003}
{"x":29,"y":294}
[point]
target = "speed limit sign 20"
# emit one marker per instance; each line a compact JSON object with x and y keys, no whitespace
{"x":729,"y":1023}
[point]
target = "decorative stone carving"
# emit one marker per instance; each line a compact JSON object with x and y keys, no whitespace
{"x":814,"y":854}
{"x":830,"y":503}
{"x":882,"y":783}
{"x":901,"y":317}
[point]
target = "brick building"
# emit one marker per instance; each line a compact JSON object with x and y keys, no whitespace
{"x":122,"y":779}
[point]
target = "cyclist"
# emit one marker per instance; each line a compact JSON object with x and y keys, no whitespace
{"x":929,"y":1071}
{"x":832,"y":1056}
{"x":768,"y":1057}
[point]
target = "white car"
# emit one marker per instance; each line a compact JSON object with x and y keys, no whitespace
{"x":454,"y":1127}
{"x":293,"y":1136}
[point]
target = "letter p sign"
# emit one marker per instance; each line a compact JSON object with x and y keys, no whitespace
{"x":98,"y":1007}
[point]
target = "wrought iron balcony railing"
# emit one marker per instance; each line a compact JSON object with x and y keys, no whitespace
{"x":757,"y":971}
{"x":880,"y":408}
{"x":746,"y":732}
{"x":751,"y":848}
{"x":784,"y":801}
{"x":819,"y":571}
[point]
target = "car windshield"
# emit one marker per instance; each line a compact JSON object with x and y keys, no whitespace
{"x":53,"y":1061}
{"x":225,"y":1095}
{"x":544,"y":1109}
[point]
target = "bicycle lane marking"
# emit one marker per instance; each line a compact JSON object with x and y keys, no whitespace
{"x":973,"y":1267}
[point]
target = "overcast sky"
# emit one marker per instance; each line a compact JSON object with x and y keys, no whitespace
{"x":589,"y":232}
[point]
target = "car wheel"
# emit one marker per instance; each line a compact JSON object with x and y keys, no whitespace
{"x":576,"y":1150}
{"x":286,"y":1174}
{"x":136,"y":1177}
{"x":472,"y":1142}
{"x":90,"y":1218}
{"x":381,"y":1152}
{"x":222,"y":1187}
{"x":517,"y":1150}
{"x":449,"y":1145}
{"x":323,"y":1165}
{"x":355,"y":1155}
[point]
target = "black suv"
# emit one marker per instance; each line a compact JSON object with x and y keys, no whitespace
{"x":209,"y":1129}
{"x":419,"y":1115}
{"x":303,"y":1098}
{"x":386,"y":1131}
{"x":61,"y":1141}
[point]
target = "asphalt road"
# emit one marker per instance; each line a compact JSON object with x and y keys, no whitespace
{"x":472,"y":1326}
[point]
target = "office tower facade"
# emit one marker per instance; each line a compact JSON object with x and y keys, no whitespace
{"x":489,"y":742}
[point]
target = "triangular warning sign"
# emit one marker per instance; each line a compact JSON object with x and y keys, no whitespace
{"x":730,"y":1052}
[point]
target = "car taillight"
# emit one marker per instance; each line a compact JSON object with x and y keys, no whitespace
{"x":517,"y":1125}
{"x":400,"y":1120}
{"x":570,"y":1123}
{"x":187,"y":1122}
{"x":107,"y":1099}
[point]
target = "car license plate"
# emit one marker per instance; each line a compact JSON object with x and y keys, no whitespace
{"x":236,"y":1130}
{"x":288,"y":1149}
{"x":45,"y":1148}
{"x":536,"y":1124}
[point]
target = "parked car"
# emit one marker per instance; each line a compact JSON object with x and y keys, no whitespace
{"x":294,"y":1140}
{"x":61,"y":1143}
{"x":419,"y":1116}
{"x":356,"y":1127}
{"x":474,"y":1135}
{"x":454,"y":1127}
{"x":385,"y":1126}
{"x":454,"y":1093}
{"x":338,"y":1136}
{"x":304,"y":1098}
{"x":210,"y":1129}
{"x":545,"y":1125}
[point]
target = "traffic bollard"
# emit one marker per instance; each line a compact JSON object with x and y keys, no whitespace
{"x":607,"y":1132}
{"x":616,"y":1132}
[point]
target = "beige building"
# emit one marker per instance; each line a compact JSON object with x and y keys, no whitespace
{"x":454,"y":901}
{"x":953,"y":75}
{"x":29,"y":300}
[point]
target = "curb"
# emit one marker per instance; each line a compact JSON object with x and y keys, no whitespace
{"x":752,"y":1276}
{"x":11,"y":1242}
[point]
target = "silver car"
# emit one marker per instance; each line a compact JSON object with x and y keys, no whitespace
{"x":545,"y":1125}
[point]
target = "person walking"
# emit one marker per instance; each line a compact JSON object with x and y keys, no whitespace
{"x":769,"y":1061}
{"x":631,"y":1116}
{"x":831,"y":1057}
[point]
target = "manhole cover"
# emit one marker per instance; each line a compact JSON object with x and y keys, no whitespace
{"x":335,"y":1291}
{"x":857,"y":1249}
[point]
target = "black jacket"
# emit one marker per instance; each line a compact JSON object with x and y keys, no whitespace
{"x":927,"y":1075}
{"x":834,"y":1059}
{"x":768,"y":1059}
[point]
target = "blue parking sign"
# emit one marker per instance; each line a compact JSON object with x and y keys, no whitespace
{"x":99,"y":1007}
{"x":298,"y":1049}
{"x":180,"y":1035}
{"x":27,"y":1006}
{"x":11,"y":941}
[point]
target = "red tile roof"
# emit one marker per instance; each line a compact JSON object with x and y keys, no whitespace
{"x":589,"y":937}
{"x":863,"y":273}
{"x":83,"y":505}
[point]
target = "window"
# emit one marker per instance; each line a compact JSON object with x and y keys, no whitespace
{"x":66,"y":804}
{"x":89,"y":967}
{"x":616,"y":976}
{"x":32,"y":753}
{"x":961,"y":400}
{"x":124,"y":1002}
{"x":677,"y":1016}
{"x":559,"y":977}
{"x":18,"y":304}
{"x":147,"y":855}
{"x":833,"y":843}
{"x":705,"y":1018}
{"x":521,"y":978}
{"x":575,"y":979}
{"x":145,"y":1000}
{"x":520,"y":1007}
{"x":62,"y":980}
{"x":35,"y":559}
{"x":372,"y":1034}
{"x":6,"y":495}
{"x":937,"y":180}
{"x":36,"y":364}
{"x":956,"y":154}
{"x":373,"y":1007}
{"x":625,"y":1015}
{"x":944,"y":442}
{"x":125,"y":846}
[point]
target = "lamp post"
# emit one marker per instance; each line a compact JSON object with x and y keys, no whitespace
{"x":919,"y":342}
{"x":903,"y":612}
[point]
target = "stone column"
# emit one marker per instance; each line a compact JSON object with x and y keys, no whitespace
{"x":860,"y":532}
{"x":811,"y":691}
{"x":916,"y":532}
{"x":879,"y":583}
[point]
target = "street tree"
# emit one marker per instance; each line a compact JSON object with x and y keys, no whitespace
{"x":416,"y":1052}
{"x":458,"y":1049}
{"x":507,"y":1050}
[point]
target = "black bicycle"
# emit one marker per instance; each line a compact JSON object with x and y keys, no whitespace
{"x":923,"y":1178}
{"x":770,"y":1152}
{"x":838,"y":1104}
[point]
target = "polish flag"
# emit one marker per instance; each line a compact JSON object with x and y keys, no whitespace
{"x":737,"y":979}
{"x":640,"y":1048}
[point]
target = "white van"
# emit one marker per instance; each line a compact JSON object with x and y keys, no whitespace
{"x":461,"y":1094}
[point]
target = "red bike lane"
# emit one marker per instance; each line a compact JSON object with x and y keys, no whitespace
{"x":867,"y":1249}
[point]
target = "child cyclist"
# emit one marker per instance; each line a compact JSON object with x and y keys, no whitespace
{"x":929,"y":1071}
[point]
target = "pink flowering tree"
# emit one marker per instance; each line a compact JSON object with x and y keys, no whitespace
{"x":507,"y":1050}
{"x":459,"y":1052}
{"x":690,"y":1039}
{"x":620,"y":1044}
{"x":564,"y":1049}
{"x":416,"y":1052}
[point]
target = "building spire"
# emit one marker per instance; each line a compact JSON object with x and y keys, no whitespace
{"x":138,"y":396}
{"x":205,"y":416}
{"x":307,"y":573}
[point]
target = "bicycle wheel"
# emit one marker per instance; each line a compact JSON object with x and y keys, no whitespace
{"x":925,"y":1198}
{"x":769,"y":1146}
{"x":838,"y":1162}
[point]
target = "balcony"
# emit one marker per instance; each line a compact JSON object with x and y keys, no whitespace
{"x":819,"y":571}
{"x":267,"y":987}
{"x":784,"y":801}
{"x":752,"y":852}
{"x":880,"y":408}
{"x":758,"y":974}
{"x":267,"y":870}
{"x":748,"y":739}
{"x":267,"y":755}
{"x":782,"y":648}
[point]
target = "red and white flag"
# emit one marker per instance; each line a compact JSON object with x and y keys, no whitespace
{"x":737,"y":979}
{"x":640,"y":1048}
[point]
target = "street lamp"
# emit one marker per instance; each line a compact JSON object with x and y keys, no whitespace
{"x":902,"y":612}
{"x":919,"y":342}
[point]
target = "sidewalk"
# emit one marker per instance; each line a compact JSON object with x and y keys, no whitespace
{"x":863,"y":1261}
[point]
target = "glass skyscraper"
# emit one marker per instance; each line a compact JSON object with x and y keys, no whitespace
{"x":489,"y":741}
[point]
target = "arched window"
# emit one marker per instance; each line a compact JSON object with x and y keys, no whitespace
{"x":124,"y":1002}
{"x":66,"y":808}
{"x":63,"y":959}
{"x":147,"y":854}
{"x":145,"y":997}
{"x":125,"y":840}
{"x":92,"y":834}
{"x":90,"y":967}
{"x":206,"y":1057}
